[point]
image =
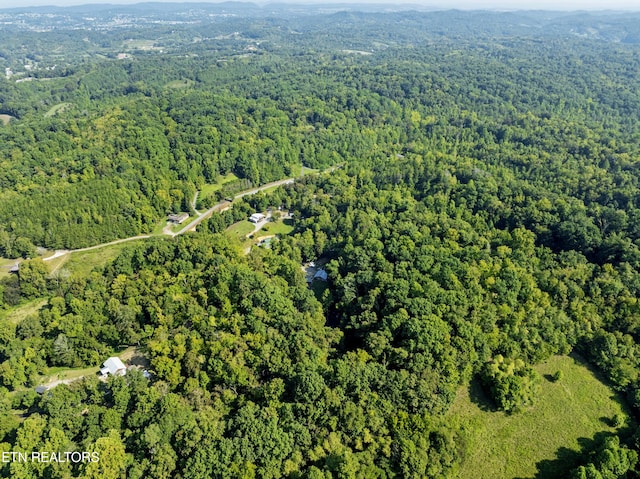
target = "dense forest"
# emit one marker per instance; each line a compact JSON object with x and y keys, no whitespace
{"x":485,"y":217}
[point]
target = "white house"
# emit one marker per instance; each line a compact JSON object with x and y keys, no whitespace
{"x":256,"y":217}
{"x":113,"y":366}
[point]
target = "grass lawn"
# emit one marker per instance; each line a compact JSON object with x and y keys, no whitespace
{"x":239,"y":230}
{"x":158,"y":230}
{"x":62,"y":373}
{"x":280,"y":227}
{"x":210,"y":188}
{"x":270,"y":189}
{"x":83,"y":262}
{"x":139,"y":44}
{"x":59,"y":108}
{"x":20,"y":312}
{"x":180,"y":84}
{"x":5,"y":266}
{"x":543,"y":440}
{"x":55,"y":264}
{"x":176,"y":228}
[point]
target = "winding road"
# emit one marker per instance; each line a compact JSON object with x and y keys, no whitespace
{"x":189,"y":227}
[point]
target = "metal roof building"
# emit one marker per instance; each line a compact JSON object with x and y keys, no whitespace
{"x":113,"y":366}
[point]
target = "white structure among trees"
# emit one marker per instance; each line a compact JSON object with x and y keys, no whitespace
{"x":113,"y":366}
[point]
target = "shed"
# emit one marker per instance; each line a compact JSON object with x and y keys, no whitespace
{"x":179,"y":218}
{"x":321,"y":275}
{"x":42,"y":389}
{"x":113,"y":366}
{"x":256,"y":217}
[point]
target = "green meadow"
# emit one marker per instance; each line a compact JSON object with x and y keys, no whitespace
{"x":543,"y":441}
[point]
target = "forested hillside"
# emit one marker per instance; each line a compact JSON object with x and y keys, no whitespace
{"x":484,"y":219}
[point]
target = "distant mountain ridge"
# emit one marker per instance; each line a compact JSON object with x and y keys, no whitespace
{"x":606,"y":25}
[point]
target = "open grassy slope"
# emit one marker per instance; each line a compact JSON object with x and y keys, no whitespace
{"x":210,"y":188}
{"x":544,"y":441}
{"x":17,"y":313}
{"x":83,"y":262}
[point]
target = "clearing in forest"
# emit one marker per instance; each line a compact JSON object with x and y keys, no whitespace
{"x":180,"y":84}
{"x":210,"y":188}
{"x":545,"y":440}
{"x":140,"y":44}
{"x":281,"y":227}
{"x":240,"y":230}
{"x":59,"y":108}
{"x":82,"y":262}
{"x":17,"y":313}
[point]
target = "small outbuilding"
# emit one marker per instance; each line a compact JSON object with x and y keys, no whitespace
{"x":113,"y":366}
{"x":321,"y":275}
{"x":178,"y":218}
{"x":257,"y":217}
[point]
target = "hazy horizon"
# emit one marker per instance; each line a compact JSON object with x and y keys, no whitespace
{"x":560,"y":5}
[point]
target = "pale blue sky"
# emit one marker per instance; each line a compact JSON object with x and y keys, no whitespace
{"x":463,"y":4}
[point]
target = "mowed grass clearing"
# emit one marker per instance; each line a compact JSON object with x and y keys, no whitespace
{"x":81,"y":263}
{"x":500,"y":446}
{"x":5,"y":265}
{"x":59,"y":108}
{"x":64,"y":374}
{"x":139,"y":44}
{"x":180,"y":84}
{"x":281,"y":227}
{"x":210,"y":188}
{"x":240,"y":230}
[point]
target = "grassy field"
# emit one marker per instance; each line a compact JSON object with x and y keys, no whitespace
{"x":83,"y":262}
{"x":5,"y":119}
{"x":62,"y":373}
{"x":210,"y":188}
{"x":56,"y":263}
{"x":20,"y":312}
{"x":159,"y":229}
{"x":79,"y":263}
{"x":59,"y":108}
{"x":180,"y":84}
{"x":281,"y":227}
{"x":177,"y":227}
{"x":5,"y":266}
{"x":239,"y":230}
{"x":139,"y":44}
{"x":271,"y":189}
{"x":544,"y":440}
